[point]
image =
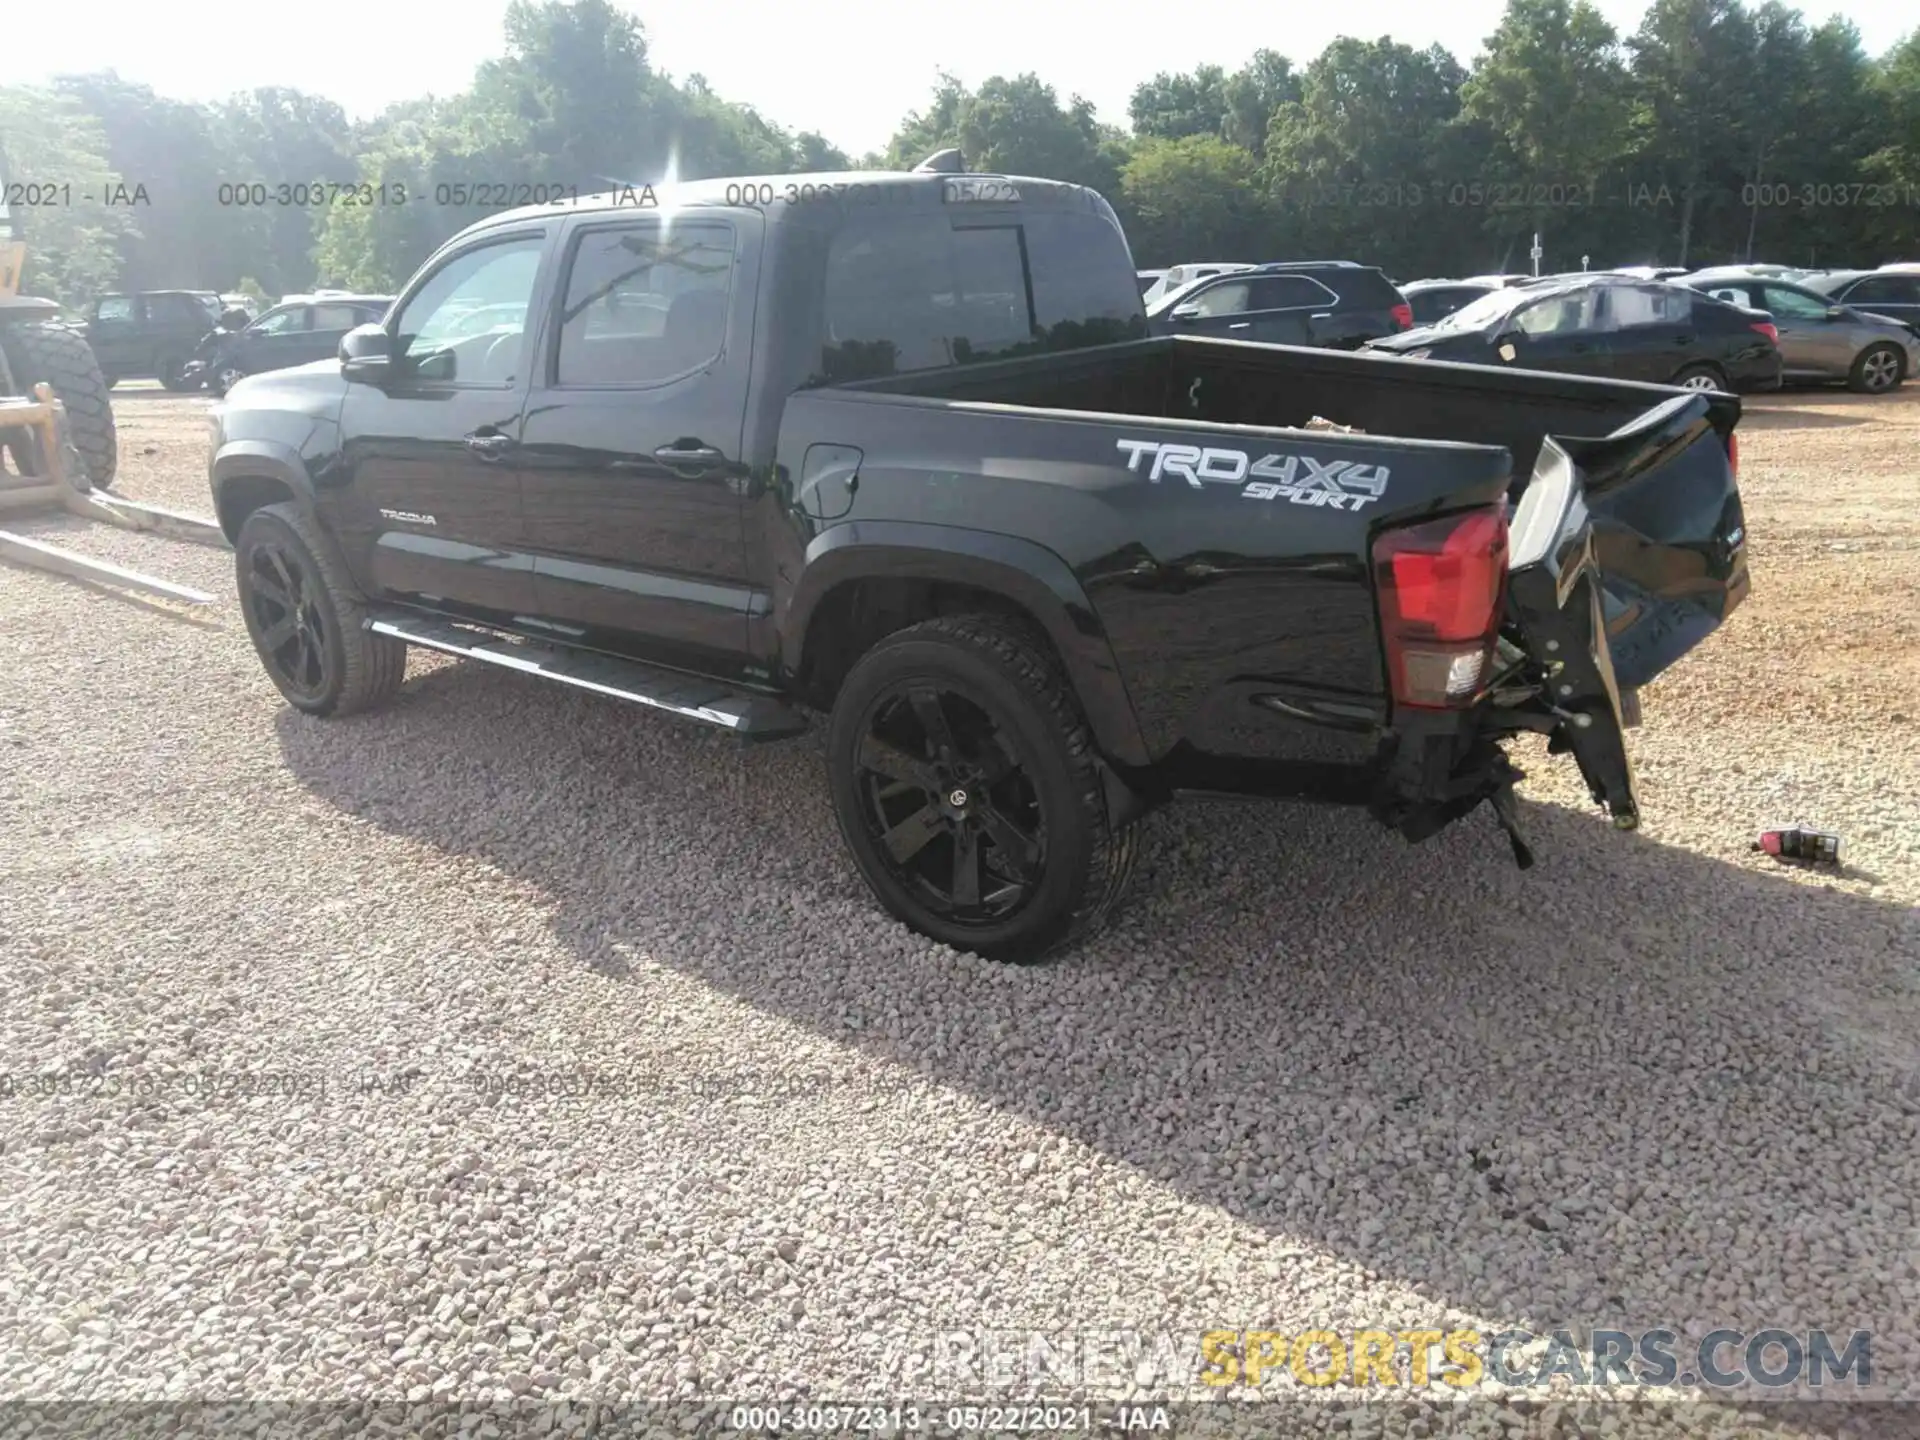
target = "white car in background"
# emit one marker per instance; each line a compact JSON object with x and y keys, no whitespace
{"x":1179,"y":275}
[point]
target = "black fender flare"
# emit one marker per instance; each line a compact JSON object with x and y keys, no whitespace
{"x":1027,"y":574}
{"x":240,"y":461}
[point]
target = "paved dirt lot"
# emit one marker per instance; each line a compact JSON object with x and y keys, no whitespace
{"x":1313,"y":1078}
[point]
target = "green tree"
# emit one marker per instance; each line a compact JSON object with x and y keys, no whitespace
{"x":1197,"y":197}
{"x":179,"y":156}
{"x":1253,"y":93}
{"x":73,"y":249}
{"x":1013,"y":127}
{"x":285,"y":136}
{"x":1552,"y":91}
{"x":1693,"y":66}
{"x":1354,"y":162}
{"x":1169,"y":107}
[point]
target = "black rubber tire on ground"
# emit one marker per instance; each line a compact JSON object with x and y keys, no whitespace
{"x":1857,"y":377}
{"x":360,"y":670}
{"x":1696,"y":372}
{"x":171,"y":374}
{"x":58,"y":357}
{"x":996,"y":665}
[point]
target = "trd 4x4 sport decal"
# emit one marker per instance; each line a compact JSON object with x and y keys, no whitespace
{"x":1338,"y":484}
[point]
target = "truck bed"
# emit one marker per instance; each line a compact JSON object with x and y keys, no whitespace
{"x":1207,"y":597}
{"x":1231,"y":382}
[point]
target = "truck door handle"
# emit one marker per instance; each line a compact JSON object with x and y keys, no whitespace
{"x":489,"y":443}
{"x":1683,"y":339}
{"x":1243,"y":325}
{"x":688,"y":452}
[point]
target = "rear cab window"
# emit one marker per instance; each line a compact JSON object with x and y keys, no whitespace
{"x":923,"y":289}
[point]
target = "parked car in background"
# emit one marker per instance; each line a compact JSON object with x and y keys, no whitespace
{"x":1891,"y":290}
{"x":1335,"y":304}
{"x":1148,"y":279}
{"x":1819,"y":340}
{"x":1607,"y":325}
{"x":288,"y":334}
{"x":1649,"y":272}
{"x":149,"y":334}
{"x":1747,"y":272}
{"x":1176,"y":277}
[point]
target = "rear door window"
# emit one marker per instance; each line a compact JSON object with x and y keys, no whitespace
{"x":335,"y":317}
{"x":1291,"y":292}
{"x":1631,"y":307}
{"x":645,"y":303}
{"x":921,"y":292}
{"x":1886,"y":290}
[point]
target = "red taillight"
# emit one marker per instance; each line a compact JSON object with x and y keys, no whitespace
{"x":1768,"y":329}
{"x":1403,"y":316}
{"x":1733,"y":455}
{"x":1441,"y":585}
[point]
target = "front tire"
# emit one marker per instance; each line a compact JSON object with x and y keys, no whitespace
{"x":965,"y":784}
{"x":173,"y":374}
{"x":63,"y":360}
{"x":1876,"y":370}
{"x":1700,"y":377}
{"x":307,"y":620}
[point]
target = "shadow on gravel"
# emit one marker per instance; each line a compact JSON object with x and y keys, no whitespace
{"x":1799,"y":420}
{"x":1624,"y":1088}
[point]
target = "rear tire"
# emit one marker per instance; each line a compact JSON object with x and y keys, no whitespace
{"x":1030,"y":829}
{"x":1876,"y":370}
{"x":1701,"y":377}
{"x":307,"y":619}
{"x":54,"y":356}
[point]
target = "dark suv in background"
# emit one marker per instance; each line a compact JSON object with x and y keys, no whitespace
{"x":149,"y":334}
{"x":296,"y":333}
{"x":1335,"y":304}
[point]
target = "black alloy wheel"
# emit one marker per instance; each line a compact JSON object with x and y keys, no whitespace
{"x":290,"y":615}
{"x":949,"y":803}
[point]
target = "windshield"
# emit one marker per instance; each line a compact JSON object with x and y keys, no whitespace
{"x":1483,"y":312}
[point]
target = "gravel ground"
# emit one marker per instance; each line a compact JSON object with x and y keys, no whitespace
{"x":1313,"y":1078}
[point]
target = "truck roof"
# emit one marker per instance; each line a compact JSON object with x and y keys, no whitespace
{"x":909,"y":189}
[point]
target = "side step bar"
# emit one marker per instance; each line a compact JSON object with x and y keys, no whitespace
{"x":754,"y":717}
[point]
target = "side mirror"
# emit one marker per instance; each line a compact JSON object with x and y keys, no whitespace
{"x":1836,"y":312}
{"x":1186,"y":312}
{"x":366,"y":355}
{"x":1507,"y":337}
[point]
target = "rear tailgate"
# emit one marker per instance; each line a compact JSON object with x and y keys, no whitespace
{"x":1627,"y":551}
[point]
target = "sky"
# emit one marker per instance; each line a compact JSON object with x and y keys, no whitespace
{"x":850,"y":69}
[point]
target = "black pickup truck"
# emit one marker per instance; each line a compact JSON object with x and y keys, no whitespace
{"x":896,"y":448}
